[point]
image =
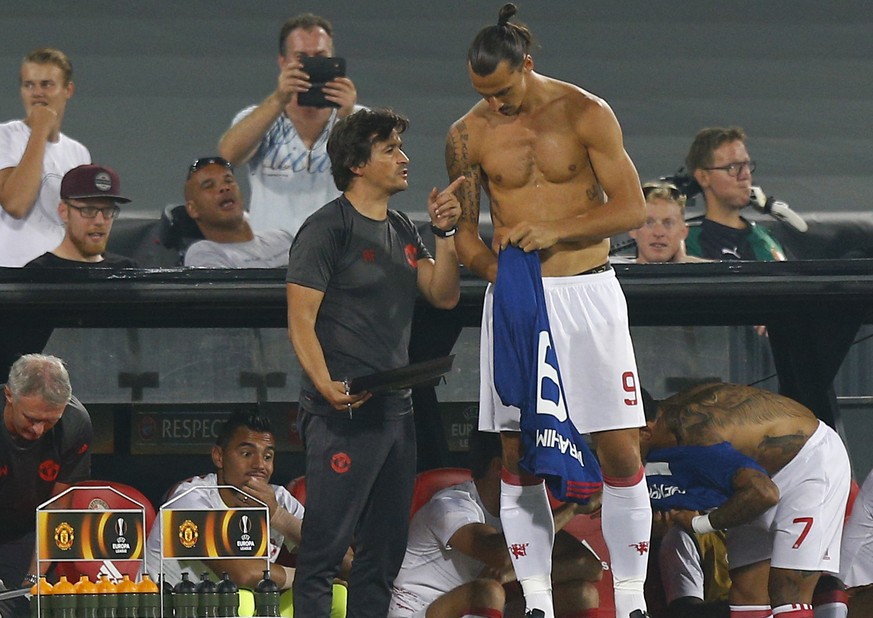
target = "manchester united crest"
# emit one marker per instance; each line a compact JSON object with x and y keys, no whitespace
{"x":64,"y":536}
{"x":188,"y":534}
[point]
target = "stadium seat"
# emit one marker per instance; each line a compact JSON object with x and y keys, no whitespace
{"x":107,"y":495}
{"x":297,"y":488}
{"x":428,"y":482}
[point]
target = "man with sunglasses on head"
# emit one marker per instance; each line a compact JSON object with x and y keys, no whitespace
{"x":719,"y":162}
{"x":284,"y":143}
{"x":662,"y":237}
{"x":90,"y":198}
{"x":214,"y":201}
{"x":34,"y":156}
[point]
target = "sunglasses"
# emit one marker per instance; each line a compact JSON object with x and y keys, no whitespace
{"x":649,"y":187}
{"x":204,"y":161}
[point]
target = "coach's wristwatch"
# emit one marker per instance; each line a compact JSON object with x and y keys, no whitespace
{"x":443,"y":233}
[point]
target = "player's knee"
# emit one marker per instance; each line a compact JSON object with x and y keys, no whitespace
{"x":619,"y":453}
{"x":590,"y":595}
{"x":791,"y":586}
{"x":487,"y":593}
{"x":575,"y":596}
{"x":591,"y":569}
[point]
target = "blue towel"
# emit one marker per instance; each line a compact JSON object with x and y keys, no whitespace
{"x":696,"y":478}
{"x":527,"y":376}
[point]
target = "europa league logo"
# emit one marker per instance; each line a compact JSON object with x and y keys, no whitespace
{"x":245,"y":525}
{"x":120,"y":528}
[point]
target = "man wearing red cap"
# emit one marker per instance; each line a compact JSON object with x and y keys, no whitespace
{"x":90,"y":195}
{"x":34,"y":156}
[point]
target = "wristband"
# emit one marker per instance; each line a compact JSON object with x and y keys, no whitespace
{"x":443,"y":233}
{"x":701,"y":524}
{"x":281,"y":519}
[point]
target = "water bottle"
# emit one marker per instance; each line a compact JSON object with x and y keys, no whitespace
{"x":267,"y":596}
{"x":86,"y":598}
{"x":107,"y":599}
{"x":228,"y":597}
{"x":207,"y":597}
{"x":128,"y":599}
{"x":167,"y":597}
{"x":41,"y":607}
{"x":185,"y":598}
{"x":149,"y":598}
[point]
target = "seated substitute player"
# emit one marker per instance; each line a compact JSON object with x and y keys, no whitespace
{"x":784,"y":511}
{"x":457,"y":560}
{"x":243,"y":457}
{"x":856,"y":559}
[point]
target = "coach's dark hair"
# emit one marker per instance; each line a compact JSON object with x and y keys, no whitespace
{"x":505,"y":41}
{"x":351,"y":140}
{"x":242,"y":418}
{"x":304,"y":21}
{"x":484,"y":447}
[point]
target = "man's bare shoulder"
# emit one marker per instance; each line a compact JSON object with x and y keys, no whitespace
{"x":571,"y":105}
{"x":575,"y":97}
{"x":475,"y":119}
{"x":467,"y":132}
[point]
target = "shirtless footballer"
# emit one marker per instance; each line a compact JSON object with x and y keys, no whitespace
{"x":783,"y":531}
{"x":550,"y":158}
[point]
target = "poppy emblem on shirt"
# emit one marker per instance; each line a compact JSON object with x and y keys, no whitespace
{"x":48,"y":470}
{"x":411,"y":255}
{"x":83,"y":449}
{"x":368,"y":255}
{"x":340,"y":463}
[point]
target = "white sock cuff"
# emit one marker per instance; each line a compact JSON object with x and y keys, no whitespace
{"x":632,"y":584}
{"x":521,"y":490}
{"x":791,"y":607}
{"x":536,"y":584}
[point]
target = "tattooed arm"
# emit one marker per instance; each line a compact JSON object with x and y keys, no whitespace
{"x":754,"y":493}
{"x":472,"y":250}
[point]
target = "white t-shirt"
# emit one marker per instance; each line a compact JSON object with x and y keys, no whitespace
{"x":431,"y":567}
{"x":41,"y":229}
{"x":289,"y":181}
{"x":207,"y":499}
{"x":266,"y":250}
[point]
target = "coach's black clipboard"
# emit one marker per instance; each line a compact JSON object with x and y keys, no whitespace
{"x":417,"y":374}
